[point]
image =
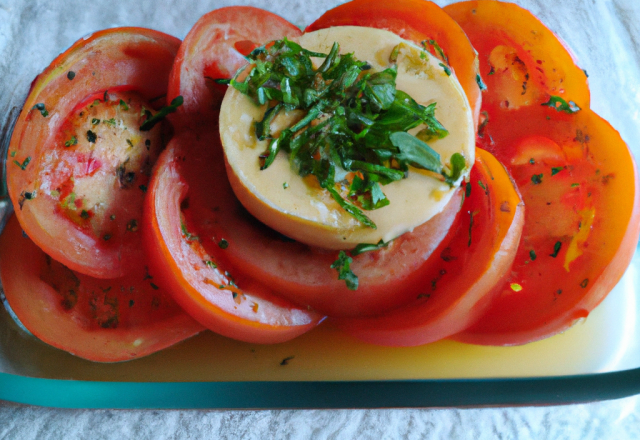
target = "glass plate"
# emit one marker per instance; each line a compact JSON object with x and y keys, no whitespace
{"x":597,"y":359}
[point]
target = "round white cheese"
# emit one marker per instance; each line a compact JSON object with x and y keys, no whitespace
{"x":299,"y":208}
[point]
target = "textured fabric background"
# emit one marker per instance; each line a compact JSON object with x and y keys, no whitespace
{"x":605,"y":36}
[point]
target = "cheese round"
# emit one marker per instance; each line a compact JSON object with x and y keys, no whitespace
{"x":299,"y":208}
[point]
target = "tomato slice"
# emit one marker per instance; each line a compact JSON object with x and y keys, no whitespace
{"x":521,"y":61}
{"x":580,"y":187}
{"x":388,"y":278}
{"x":418,"y":21}
{"x":179,"y":210}
{"x":99,"y":320}
{"x":78,"y":161}
{"x":476,"y":256}
{"x":214,"y":48}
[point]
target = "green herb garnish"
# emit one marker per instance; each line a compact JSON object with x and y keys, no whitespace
{"x":342,"y":265}
{"x":366,"y":247}
{"x":164,"y":111}
{"x":354,"y":123}
{"x":561,"y":105}
{"x":556,"y":249}
{"x":40,"y":107}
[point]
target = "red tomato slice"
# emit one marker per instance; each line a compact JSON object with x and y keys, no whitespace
{"x":580,"y":187}
{"x":418,"y":21}
{"x":388,"y":278}
{"x":78,"y":163}
{"x":521,"y":61}
{"x":214,"y":48}
{"x":476,"y":256}
{"x":182,"y":201}
{"x":100,"y":320}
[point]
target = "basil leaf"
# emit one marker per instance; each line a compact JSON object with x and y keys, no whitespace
{"x":366,"y":247}
{"x":416,"y":152}
{"x":343,"y":266}
{"x":164,"y":111}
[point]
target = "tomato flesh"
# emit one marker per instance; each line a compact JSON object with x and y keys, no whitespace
{"x":214,"y":48}
{"x":74,"y":145}
{"x":180,"y":207}
{"x":475,"y":257}
{"x":522,"y":62}
{"x":95,"y":319}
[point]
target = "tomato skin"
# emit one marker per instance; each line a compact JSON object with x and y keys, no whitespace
{"x":417,"y":21}
{"x":99,"y":320}
{"x":214,"y":48}
{"x":536,"y":56}
{"x":599,"y":188}
{"x":477,"y":256}
{"x":144,"y":59}
{"x":580,"y":182}
{"x":190,"y":268}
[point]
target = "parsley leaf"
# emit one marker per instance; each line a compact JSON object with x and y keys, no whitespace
{"x":561,"y":105}
{"x":342,"y":265}
{"x":164,"y":111}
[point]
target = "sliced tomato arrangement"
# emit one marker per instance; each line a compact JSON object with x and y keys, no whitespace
{"x":577,"y":177}
{"x":475,"y":258}
{"x":535,"y":239}
{"x":95,"y":319}
{"x":78,"y":162}
{"x":184,"y":253}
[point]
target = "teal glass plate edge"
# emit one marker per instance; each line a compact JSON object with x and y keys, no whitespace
{"x":323,"y":395}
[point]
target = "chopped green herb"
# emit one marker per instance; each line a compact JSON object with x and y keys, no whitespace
{"x":41,"y":108}
{"x":532,"y":161}
{"x":355,"y":121}
{"x":366,"y":247}
{"x":70,"y":75}
{"x":286,"y":360}
{"x":130,"y":143}
{"x":91,"y":136}
{"x":188,"y":235}
{"x":24,"y":163}
{"x":556,"y":170}
{"x":516,"y":287}
{"x":84,"y":214}
{"x":556,"y":249}
{"x":437,"y":49}
{"x":106,"y":237}
{"x":532,"y":255}
{"x":561,"y":105}
{"x":484,"y":188}
{"x":481,"y":83}
{"x":143,"y":188}
{"x":95,"y":121}
{"x":285,"y":185}
{"x":343,"y":266}
{"x":13,"y":153}
{"x":123,"y":105}
{"x":446,"y":69}
{"x":537,"y":179}
{"x":153,"y":286}
{"x":164,"y":111}
{"x":471,"y":216}
{"x":111,"y":121}
{"x":467,"y":191}
{"x":210,"y":264}
{"x":575,"y":185}
{"x":71,"y":142}
{"x":112,"y":217}
{"x":223,"y":244}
